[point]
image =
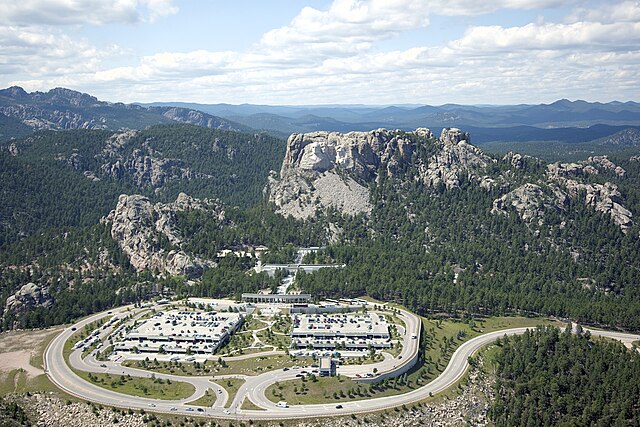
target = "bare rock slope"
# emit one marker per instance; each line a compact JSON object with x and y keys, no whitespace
{"x":147,"y":233}
{"x":332,"y":170}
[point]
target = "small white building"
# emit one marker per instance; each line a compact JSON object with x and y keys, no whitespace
{"x":327,"y":367}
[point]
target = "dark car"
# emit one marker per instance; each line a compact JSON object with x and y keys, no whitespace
{"x":338,"y":406}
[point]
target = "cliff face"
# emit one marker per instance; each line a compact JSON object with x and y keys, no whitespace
{"x":331,"y":169}
{"x":145,"y":232}
{"x":334,"y":170}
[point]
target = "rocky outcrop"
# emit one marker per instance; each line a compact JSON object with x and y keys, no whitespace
{"x":454,"y":158}
{"x":143,"y":165}
{"x":28,"y":297}
{"x":198,"y":118}
{"x":592,"y":166}
{"x":603,"y":163}
{"x":605,"y":198}
{"x":530,"y":202}
{"x":147,"y":233}
{"x":13,"y":149}
{"x":331,"y":169}
{"x":516,"y":160}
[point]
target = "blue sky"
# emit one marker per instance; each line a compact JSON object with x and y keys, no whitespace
{"x":325,"y":52}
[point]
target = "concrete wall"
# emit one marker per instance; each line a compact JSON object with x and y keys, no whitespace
{"x":410,"y":363}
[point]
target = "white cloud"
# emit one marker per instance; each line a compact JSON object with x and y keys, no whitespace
{"x":335,"y":55}
{"x":477,"y":7}
{"x":626,"y":11}
{"x":93,"y":12}
{"x":588,"y":35}
{"x":347,"y":26}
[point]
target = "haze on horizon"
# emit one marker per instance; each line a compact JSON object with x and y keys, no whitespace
{"x":325,"y":52}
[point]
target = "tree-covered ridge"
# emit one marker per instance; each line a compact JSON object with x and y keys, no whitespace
{"x":73,"y":178}
{"x":83,"y":270}
{"x":549,"y":378}
{"x":38,"y":194}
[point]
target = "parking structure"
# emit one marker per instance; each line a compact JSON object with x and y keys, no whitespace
{"x":352,"y":331}
{"x":181,"y":332}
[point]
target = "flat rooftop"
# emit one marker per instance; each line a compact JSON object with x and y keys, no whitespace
{"x":177,"y":330}
{"x":340,"y":325}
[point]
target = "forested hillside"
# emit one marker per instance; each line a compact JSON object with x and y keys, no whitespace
{"x":447,"y":230}
{"x":74,"y":178}
{"x":549,"y":378}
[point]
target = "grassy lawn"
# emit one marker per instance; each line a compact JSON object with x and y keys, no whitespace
{"x":250,"y":406}
{"x":251,"y":366}
{"x":282,"y":324}
{"x":37,"y":358}
{"x":16,"y":379}
{"x":257,"y":365}
{"x":636,"y":343}
{"x":142,"y":387}
{"x":209,"y":398}
{"x":232,"y":385}
{"x":279,"y":341}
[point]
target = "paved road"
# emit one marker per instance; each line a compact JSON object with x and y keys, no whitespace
{"x":254,"y":387}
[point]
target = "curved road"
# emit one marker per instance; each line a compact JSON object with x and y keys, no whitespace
{"x":253,"y":388}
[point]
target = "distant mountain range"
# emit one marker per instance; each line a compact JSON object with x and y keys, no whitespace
{"x":562,"y":113}
{"x":60,"y":109}
{"x":525,"y":128}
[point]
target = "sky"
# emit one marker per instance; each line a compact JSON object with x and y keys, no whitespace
{"x":292,"y":52}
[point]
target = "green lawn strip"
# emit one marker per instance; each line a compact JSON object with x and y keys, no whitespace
{"x":282,"y":324}
{"x":636,"y":343}
{"x":250,"y":406}
{"x":257,"y":365}
{"x":209,"y":398}
{"x":232,"y":385}
{"x":141,"y":387}
{"x":8,"y":381}
{"x":17,"y":381}
{"x":250,"y":366}
{"x":279,"y":341}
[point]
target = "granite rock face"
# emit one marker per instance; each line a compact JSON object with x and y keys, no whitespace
{"x":146,"y":167}
{"x":332,"y":169}
{"x":147,"y":233}
{"x":27,"y":297}
{"x":530,"y":202}
{"x":604,"y":198}
{"x":454,"y":157}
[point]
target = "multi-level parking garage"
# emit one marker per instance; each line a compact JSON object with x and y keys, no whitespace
{"x":181,"y":332}
{"x":345,"y":331}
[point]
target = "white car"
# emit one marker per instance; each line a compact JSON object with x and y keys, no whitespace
{"x":226,"y":411}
